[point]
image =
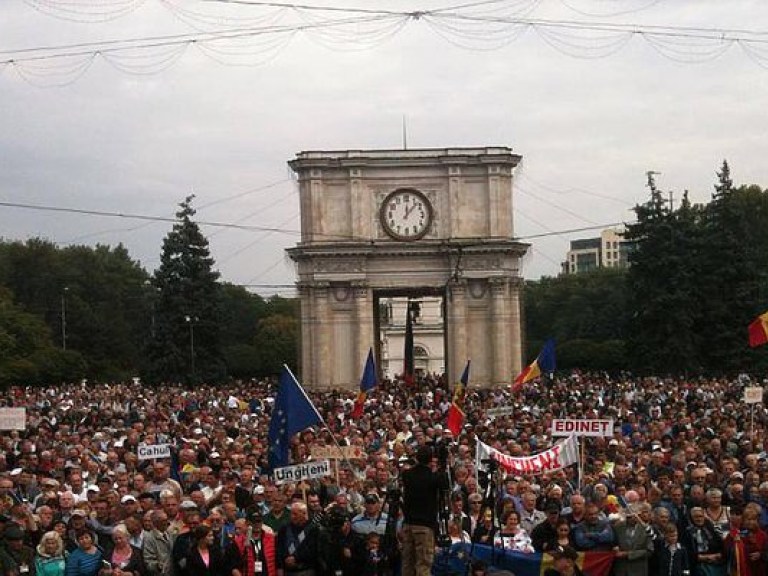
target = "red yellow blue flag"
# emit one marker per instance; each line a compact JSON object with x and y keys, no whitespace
{"x":455,"y":418}
{"x":758,"y":331}
{"x":544,"y":363}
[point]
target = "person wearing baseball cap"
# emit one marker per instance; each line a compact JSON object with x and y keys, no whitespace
{"x":22,"y":555}
{"x":371,"y":519}
{"x":256,"y":548}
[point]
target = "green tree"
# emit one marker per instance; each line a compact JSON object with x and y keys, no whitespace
{"x":585,"y":313}
{"x":186,"y":345}
{"x":241,"y":313}
{"x":102,"y":290}
{"x":661,"y":274}
{"x":731,"y":272}
{"x":277,"y":343}
{"x":29,"y":356}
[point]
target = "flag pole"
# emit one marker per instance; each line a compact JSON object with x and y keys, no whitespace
{"x":325,"y":424}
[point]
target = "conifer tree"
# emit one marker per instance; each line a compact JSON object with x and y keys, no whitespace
{"x":186,"y":345}
{"x":660,"y":279}
{"x":727,"y":278}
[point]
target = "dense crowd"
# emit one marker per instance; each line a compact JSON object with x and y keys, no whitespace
{"x":681,"y":485}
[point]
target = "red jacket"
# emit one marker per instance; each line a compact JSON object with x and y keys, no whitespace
{"x":268,"y":542}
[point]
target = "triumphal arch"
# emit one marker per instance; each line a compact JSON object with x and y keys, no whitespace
{"x":380,"y":223}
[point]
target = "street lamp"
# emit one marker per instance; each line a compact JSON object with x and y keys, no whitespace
{"x":191,"y":320}
{"x":64,"y":318}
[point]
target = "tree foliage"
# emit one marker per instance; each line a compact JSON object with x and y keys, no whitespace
{"x":585,"y":313}
{"x":697,"y":278}
{"x":102,"y":291}
{"x":186,"y":340}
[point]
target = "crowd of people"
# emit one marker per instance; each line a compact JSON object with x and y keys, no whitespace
{"x":681,"y":485}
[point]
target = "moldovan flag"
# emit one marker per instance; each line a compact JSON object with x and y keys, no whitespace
{"x":456,"y":412}
{"x":544,"y":363}
{"x":758,"y":331}
{"x":367,"y":382}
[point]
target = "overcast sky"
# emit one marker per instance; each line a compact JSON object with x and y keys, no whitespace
{"x":588,"y":129}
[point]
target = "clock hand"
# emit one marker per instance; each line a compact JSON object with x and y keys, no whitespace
{"x":407,"y":211}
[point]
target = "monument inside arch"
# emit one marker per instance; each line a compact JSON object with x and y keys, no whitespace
{"x":379,"y":223}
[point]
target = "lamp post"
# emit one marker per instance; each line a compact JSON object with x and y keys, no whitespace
{"x":64,"y":318}
{"x":191,"y":320}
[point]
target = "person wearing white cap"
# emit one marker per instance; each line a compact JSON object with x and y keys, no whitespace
{"x":129,"y":505}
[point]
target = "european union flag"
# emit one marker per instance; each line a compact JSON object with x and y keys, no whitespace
{"x":368,"y":381}
{"x":292,"y":412}
{"x":547,"y":357}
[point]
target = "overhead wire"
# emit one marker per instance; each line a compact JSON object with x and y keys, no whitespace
{"x":554,"y":205}
{"x":256,"y":228}
{"x":111,"y":214}
{"x":522,"y":174}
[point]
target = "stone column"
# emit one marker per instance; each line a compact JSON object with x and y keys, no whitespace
{"x":516,"y":332}
{"x":321,"y":326}
{"x":500,"y":330}
{"x":457,"y":327}
{"x":364,"y":317}
{"x":307,"y":345}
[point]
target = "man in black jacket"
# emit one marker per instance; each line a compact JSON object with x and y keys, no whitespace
{"x":297,"y":545}
{"x":421,"y":488}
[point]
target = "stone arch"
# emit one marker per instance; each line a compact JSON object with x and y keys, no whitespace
{"x":408,"y":222}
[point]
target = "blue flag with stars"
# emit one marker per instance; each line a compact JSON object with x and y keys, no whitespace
{"x":292,"y":412}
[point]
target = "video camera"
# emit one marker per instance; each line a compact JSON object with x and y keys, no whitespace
{"x":440,"y":451}
{"x":333,"y":519}
{"x":484,"y":476}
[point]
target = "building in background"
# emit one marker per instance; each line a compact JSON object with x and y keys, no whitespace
{"x":610,"y":250}
{"x":428,"y":335}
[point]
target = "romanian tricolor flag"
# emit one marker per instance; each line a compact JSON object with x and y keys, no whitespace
{"x":456,"y":412}
{"x":454,"y":560}
{"x":367,"y":382}
{"x":544,"y":363}
{"x":758,"y":331}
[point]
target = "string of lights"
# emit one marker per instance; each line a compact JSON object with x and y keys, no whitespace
{"x":364,"y":28}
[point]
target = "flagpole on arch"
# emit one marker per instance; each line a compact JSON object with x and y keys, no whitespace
{"x":319,"y":416}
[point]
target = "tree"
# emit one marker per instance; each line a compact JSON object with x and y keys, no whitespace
{"x":660,"y":280}
{"x":585,"y":313}
{"x":102,"y":289}
{"x":29,"y":356}
{"x":730,"y":272}
{"x":277,"y":342}
{"x":186,"y":345}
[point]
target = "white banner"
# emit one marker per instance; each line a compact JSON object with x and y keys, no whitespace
{"x":13,"y":418}
{"x":152,"y":451}
{"x":301,"y":472}
{"x":582,"y":427}
{"x":562,"y":454}
{"x":503,"y":411}
{"x":753,"y":395}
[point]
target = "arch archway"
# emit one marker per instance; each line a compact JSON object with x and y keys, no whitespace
{"x":408,"y":222}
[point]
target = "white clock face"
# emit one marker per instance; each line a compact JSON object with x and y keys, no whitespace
{"x":406,"y":214}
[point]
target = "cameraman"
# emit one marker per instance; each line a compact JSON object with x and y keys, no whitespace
{"x":338,"y":545}
{"x":422,"y":485}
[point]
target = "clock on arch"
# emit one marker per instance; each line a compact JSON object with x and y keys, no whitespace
{"x":406,"y":214}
